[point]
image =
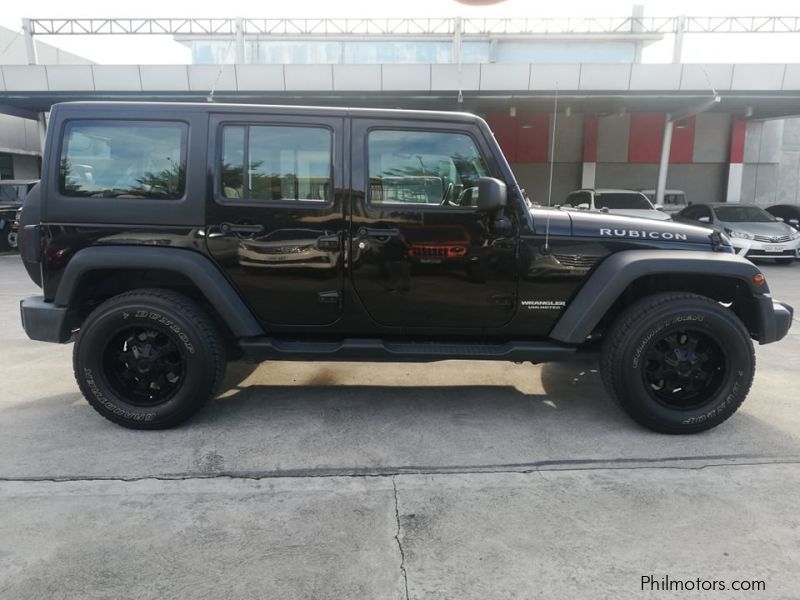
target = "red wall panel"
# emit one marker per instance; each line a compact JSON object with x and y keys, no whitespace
{"x":504,"y":128}
{"x":590,"y":137}
{"x":533,"y":133}
{"x":644,"y":139}
{"x":524,"y":138}
{"x":682,"y":148}
{"x":738,"y":127}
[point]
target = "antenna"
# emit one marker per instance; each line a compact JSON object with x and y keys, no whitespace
{"x":552,"y":162}
{"x":210,"y":97}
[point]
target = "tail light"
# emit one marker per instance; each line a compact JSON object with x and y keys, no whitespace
{"x":30,"y":244}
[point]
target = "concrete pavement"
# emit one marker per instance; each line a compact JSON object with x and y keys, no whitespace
{"x":449,"y":480}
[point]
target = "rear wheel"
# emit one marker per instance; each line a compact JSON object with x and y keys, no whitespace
{"x":148,"y":359}
{"x":678,"y":363}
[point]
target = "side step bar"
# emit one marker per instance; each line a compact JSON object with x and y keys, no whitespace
{"x":376,"y":350}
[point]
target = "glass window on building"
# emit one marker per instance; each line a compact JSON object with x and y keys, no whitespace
{"x":397,"y":53}
{"x":6,"y":166}
{"x":294,"y":52}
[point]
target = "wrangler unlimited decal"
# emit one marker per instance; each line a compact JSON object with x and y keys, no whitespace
{"x":640,"y":233}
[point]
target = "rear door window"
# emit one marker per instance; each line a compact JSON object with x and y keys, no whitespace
{"x":124,"y":159}
{"x":276,"y":163}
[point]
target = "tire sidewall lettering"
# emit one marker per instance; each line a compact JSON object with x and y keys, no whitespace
{"x":696,"y":318}
{"x":151,"y":315}
{"x":94,"y":388}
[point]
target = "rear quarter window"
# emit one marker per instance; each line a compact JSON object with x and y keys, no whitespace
{"x":124,"y":159}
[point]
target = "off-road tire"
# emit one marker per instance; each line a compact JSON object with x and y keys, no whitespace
{"x":629,"y":339}
{"x":193,"y":335}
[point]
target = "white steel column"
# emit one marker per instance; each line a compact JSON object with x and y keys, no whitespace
{"x":30,"y":44}
{"x":663,"y":163}
{"x":41,"y":126}
{"x":239,"y":37}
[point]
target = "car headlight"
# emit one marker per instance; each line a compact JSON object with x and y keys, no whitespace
{"x":739,"y":234}
{"x":794,"y":235}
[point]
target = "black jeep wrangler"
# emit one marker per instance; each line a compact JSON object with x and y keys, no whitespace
{"x":167,"y":238}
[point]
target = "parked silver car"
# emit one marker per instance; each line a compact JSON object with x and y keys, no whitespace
{"x":753,"y":232}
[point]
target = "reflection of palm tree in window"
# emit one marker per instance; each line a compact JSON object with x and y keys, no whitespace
{"x":167,"y":183}
{"x":67,"y":180}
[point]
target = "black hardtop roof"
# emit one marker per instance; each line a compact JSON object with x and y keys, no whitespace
{"x":94,"y":107}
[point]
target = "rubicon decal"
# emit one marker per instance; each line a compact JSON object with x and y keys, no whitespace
{"x":641,"y":233}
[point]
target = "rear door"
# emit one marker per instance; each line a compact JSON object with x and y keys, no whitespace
{"x":423,"y":257}
{"x":275,"y":217}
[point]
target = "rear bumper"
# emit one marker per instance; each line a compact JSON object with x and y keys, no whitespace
{"x":44,"y":321}
{"x":776,"y":319}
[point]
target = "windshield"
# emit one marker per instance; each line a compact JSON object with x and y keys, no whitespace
{"x":743,"y":214}
{"x":621,"y":200}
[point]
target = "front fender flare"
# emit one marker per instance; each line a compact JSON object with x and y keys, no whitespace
{"x":610,"y":279}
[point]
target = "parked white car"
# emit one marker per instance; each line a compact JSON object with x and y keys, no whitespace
{"x":618,"y":202}
{"x":674,"y":200}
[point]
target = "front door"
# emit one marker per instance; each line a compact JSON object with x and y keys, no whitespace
{"x":275,"y":222}
{"x":423,"y":257}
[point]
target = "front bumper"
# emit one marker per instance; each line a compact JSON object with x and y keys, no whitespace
{"x":775,"y":319}
{"x":754,"y":249}
{"x":44,"y":321}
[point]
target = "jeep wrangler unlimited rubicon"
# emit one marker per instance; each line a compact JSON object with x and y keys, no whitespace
{"x":167,"y":237}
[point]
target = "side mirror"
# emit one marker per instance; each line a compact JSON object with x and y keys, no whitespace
{"x":659,"y":207}
{"x":492,"y":194}
{"x":583,"y":206}
{"x":794,"y":222}
{"x":779,"y":219}
{"x":705,"y":219}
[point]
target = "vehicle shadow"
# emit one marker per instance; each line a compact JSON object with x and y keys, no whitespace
{"x":322,"y":425}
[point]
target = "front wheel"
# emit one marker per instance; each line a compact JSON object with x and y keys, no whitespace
{"x":148,"y":359}
{"x":678,"y":362}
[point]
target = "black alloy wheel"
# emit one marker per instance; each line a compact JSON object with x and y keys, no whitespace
{"x":684,"y":368}
{"x":144,"y":365}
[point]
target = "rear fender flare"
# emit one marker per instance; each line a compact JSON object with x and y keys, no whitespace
{"x":219,"y":292}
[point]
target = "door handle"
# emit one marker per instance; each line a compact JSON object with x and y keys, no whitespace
{"x":240,"y":228}
{"x":365,"y":232}
{"x":328,"y":242}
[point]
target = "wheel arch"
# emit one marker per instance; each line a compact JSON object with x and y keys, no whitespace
{"x":626,"y":276}
{"x":100,"y":272}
